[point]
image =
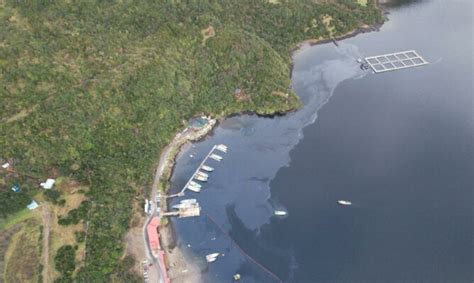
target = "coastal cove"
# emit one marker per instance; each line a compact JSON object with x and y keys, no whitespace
{"x":399,"y":145}
{"x":93,"y":93}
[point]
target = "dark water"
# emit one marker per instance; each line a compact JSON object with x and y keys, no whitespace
{"x":399,"y":145}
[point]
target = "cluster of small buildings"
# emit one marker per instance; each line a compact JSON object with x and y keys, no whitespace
{"x":47,"y":185}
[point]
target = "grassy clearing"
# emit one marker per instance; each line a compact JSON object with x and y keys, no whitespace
{"x":64,"y":235}
{"x":362,"y":2}
{"x":23,"y":254}
{"x":18,"y":217}
{"x":207,"y":33}
{"x":327,"y":21}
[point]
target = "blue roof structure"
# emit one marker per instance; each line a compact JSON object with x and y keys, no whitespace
{"x":16,"y":188}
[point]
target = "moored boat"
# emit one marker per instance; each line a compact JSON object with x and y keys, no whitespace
{"x":192,"y":183}
{"x":207,"y":168}
{"x":202,"y":174}
{"x":200,"y":178}
{"x":189,"y":201}
{"x":222,"y":147}
{"x":212,"y":257}
{"x":194,"y":188}
{"x":216,"y":157}
{"x":179,"y":205}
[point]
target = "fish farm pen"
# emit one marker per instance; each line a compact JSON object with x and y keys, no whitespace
{"x":395,"y":61}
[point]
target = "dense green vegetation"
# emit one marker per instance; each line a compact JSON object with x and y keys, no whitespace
{"x":11,"y":202}
{"x":65,"y":262}
{"x":94,"y":89}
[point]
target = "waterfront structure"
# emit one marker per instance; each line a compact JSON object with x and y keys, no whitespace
{"x":395,"y":61}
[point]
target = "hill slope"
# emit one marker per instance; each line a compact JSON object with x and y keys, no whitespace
{"x":93,"y":91}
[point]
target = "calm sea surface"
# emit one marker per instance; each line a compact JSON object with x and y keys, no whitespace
{"x":399,"y":145}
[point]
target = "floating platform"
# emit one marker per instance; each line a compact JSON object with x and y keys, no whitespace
{"x":395,"y":61}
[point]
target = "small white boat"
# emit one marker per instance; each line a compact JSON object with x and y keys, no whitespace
{"x":192,"y":183}
{"x":216,"y":157}
{"x":189,"y":201}
{"x":212,"y":257}
{"x":194,"y":188}
{"x":200,"y":178}
{"x":344,"y":202}
{"x":202,"y":174}
{"x":207,"y":168}
{"x":280,"y":213}
{"x":222,"y":147}
{"x":179,"y":205}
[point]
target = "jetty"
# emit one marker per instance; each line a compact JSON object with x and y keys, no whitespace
{"x":395,"y":61}
{"x":198,"y":174}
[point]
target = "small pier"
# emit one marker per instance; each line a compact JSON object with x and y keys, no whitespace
{"x":195,"y":173}
{"x":395,"y":61}
{"x":190,"y":211}
{"x":191,"y":208}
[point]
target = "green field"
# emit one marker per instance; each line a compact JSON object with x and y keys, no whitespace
{"x":93,"y":90}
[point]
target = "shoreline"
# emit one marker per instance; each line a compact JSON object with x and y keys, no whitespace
{"x":175,"y":256}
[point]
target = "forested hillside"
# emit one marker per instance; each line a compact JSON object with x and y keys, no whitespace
{"x":92,"y":90}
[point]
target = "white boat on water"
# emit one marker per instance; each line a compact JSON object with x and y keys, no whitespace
{"x":212,"y":257}
{"x":192,"y":183}
{"x":202,"y":174}
{"x":222,"y":147}
{"x":216,"y":157}
{"x":280,"y":213}
{"x":194,"y":188}
{"x":189,"y":201}
{"x":200,"y":178}
{"x":179,"y":205}
{"x":344,"y":202}
{"x":207,"y":168}
{"x":185,"y":203}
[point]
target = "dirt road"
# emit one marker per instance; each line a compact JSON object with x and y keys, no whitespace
{"x":46,"y":217}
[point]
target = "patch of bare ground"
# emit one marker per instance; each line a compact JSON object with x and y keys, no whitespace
{"x":134,"y":239}
{"x":241,"y":96}
{"x":280,"y":94}
{"x":207,"y":33}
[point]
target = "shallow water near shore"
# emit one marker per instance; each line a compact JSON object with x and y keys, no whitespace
{"x":398,"y":145}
